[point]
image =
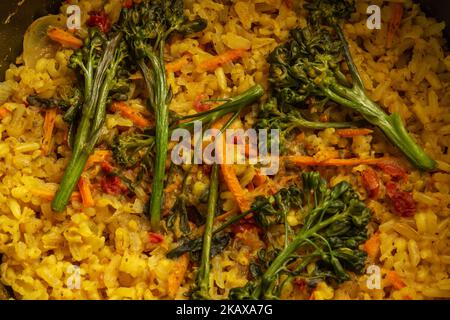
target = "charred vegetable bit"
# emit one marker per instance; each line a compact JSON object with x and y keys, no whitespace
{"x":309,"y":65}
{"x":98,"y":62}
{"x":147,"y":26}
{"x":74,"y":100}
{"x":334,"y":226}
{"x":179,"y":211}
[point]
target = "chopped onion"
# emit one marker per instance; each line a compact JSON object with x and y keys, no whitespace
{"x":6,"y":91}
{"x":36,"y":43}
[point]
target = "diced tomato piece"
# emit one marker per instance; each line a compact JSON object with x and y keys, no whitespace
{"x":154,"y":237}
{"x":113,"y":185}
{"x":106,"y":167}
{"x":393,"y":169}
{"x":128,"y":4}
{"x":99,"y":19}
{"x":248,"y":225}
{"x":370,"y":182}
{"x":403,"y":202}
{"x":300,"y":284}
{"x":199,"y":106}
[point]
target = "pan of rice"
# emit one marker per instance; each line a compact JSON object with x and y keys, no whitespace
{"x":103,"y":245}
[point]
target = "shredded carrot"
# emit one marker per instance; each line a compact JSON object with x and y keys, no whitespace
{"x":50,"y":194}
{"x":49,"y":125}
{"x":130,"y":113}
{"x":394,"y":23}
{"x":348,"y":133}
{"x":395,"y":280}
{"x":234,"y":186}
{"x":310,"y":161}
{"x":217,"y":61}
{"x":224,"y":216}
{"x":4,"y":112}
{"x":228,"y":172}
{"x":85,"y":191}
{"x":171,"y":187}
{"x":177,"y":275}
{"x":99,"y":156}
{"x":176,"y":65}
{"x":64,"y":38}
{"x":372,"y":246}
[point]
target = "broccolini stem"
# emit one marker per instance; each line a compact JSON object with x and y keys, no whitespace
{"x":93,"y":115}
{"x":391,"y":125}
{"x":203,"y":271}
{"x":303,"y":123}
{"x":157,"y":88}
{"x":210,"y":116}
{"x":356,"y":77}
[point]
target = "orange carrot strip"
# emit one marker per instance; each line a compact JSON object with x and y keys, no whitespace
{"x":217,"y":61}
{"x":372,"y":246}
{"x":228,"y":172}
{"x":131,"y":114}
{"x":200,"y":230}
{"x":177,"y":275}
{"x":4,"y":112}
{"x":176,"y":65}
{"x":64,"y":38}
{"x":234,"y":186}
{"x":49,"y":125}
{"x":395,"y":280}
{"x":49,"y":194}
{"x":394,"y":23}
{"x":76,"y":196}
{"x":85,"y":190}
{"x":310,"y":161}
{"x":98,"y":156}
{"x":348,"y":133}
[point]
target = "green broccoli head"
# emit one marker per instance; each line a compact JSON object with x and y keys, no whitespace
{"x":131,"y":149}
{"x":329,"y":11}
{"x":151,"y":22}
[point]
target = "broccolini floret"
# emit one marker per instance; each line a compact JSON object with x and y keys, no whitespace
{"x":309,"y":65}
{"x":333,"y":227}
